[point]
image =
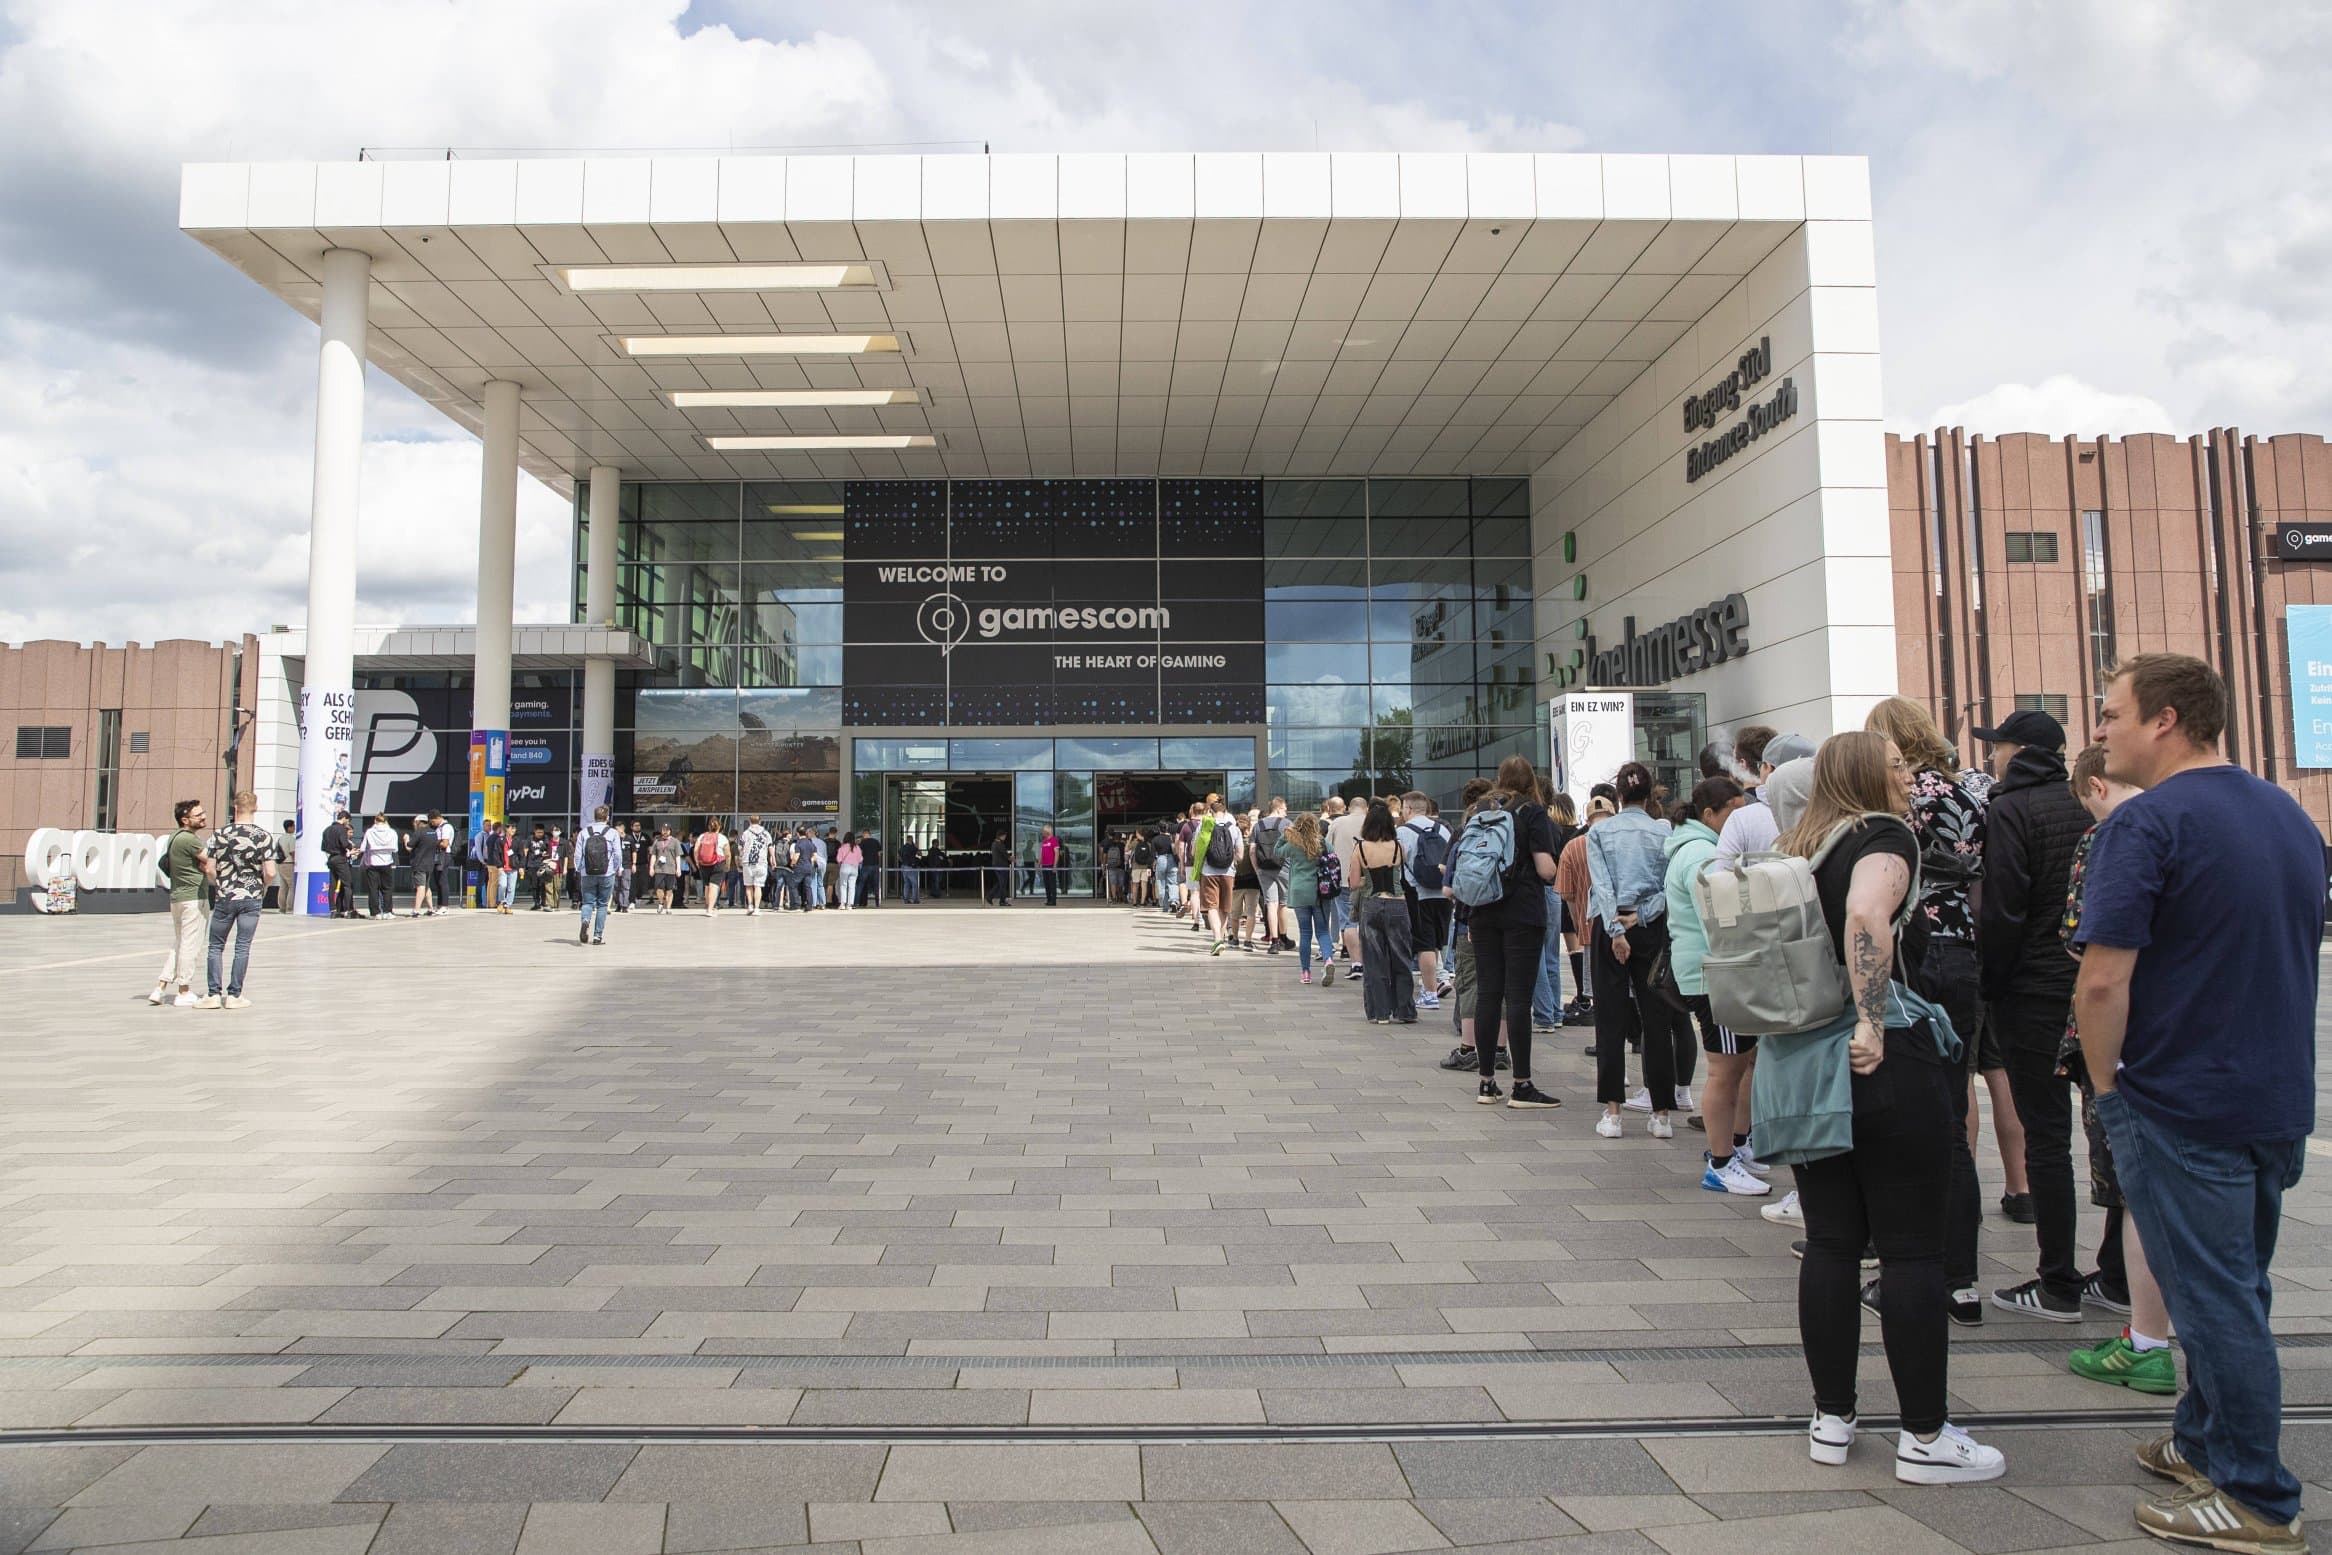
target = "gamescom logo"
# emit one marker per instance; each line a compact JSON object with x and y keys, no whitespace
{"x":945,"y":619}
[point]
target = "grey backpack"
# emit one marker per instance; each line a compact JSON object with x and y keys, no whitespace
{"x":1770,"y":967}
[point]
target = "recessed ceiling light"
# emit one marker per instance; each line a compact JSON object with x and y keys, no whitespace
{"x":714,"y":278}
{"x":755,"y":345}
{"x":788,"y":399}
{"x":748,"y":445}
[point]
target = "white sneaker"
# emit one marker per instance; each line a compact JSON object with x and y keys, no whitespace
{"x":236,"y":1001}
{"x":1684,"y":1098}
{"x":1659,"y":1127}
{"x":160,"y":993}
{"x":1829,"y":1438}
{"x":1747,"y":1156}
{"x":185,"y":1000}
{"x":1640,"y":1102}
{"x":211,"y":1001}
{"x":1786,"y":1212}
{"x":1608,"y":1126}
{"x":1739,"y":1179}
{"x":1953,"y":1458}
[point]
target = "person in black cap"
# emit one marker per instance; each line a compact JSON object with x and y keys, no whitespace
{"x":2031,"y":830}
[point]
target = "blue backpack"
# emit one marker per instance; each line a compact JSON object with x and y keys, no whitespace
{"x":1485,"y":852}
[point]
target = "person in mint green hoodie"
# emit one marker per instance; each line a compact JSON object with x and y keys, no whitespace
{"x":1724,"y":1103}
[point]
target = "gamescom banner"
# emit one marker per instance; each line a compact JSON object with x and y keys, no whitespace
{"x":598,"y":786}
{"x":1594,"y":732}
{"x":327,"y":747}
{"x":489,"y":768}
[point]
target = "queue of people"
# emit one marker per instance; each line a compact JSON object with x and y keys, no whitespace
{"x":2130,"y":938}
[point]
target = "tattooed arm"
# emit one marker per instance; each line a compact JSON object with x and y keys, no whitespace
{"x":1872,"y":898}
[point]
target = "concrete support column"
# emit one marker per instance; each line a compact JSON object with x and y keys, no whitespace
{"x":497,"y":581}
{"x":598,"y":771}
{"x":327,"y":690}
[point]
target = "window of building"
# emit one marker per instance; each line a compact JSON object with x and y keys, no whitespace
{"x":2048,"y":702}
{"x":2028,"y":545}
{"x":2097,"y":584}
{"x":108,"y":767}
{"x":44,"y":742}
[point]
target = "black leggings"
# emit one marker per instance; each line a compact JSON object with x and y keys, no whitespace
{"x":376,"y":890}
{"x":1505,"y":971}
{"x":1889,"y":1190}
{"x":1626,"y":1010}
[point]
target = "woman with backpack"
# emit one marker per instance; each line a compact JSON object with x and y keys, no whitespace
{"x":1388,"y":988}
{"x":1508,"y":924}
{"x":1731,"y":1168}
{"x":1890,"y":1187}
{"x":1305,"y":843}
{"x":1628,"y":909}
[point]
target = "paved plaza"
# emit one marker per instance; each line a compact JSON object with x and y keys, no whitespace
{"x":1011,"y":1231}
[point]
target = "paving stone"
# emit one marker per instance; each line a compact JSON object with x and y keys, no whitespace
{"x":354,"y":1539}
{"x":492,"y":1471}
{"x":1360,"y":1527}
{"x":448,"y":1528}
{"x":1271,"y":1472}
{"x":735,"y":1519}
{"x":1985,"y":1519}
{"x":301,"y":1472}
{"x":780,"y":1471}
{"x":1807,"y":1533}
{"x":146,"y":1521}
{"x":985,"y":1516}
{"x":590,"y":1528}
{"x":225,"y":1519}
{"x":1490,"y":1520}
{"x":20,"y":1525}
{"x":1120,"y":1537}
{"x":1213,"y":1527}
{"x":980,"y":1472}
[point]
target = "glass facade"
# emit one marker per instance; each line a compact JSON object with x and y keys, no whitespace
{"x":1394,"y":648}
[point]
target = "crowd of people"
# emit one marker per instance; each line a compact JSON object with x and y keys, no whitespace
{"x":2130,"y":938}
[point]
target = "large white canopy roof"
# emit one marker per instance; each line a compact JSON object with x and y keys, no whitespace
{"x":1080,"y":314}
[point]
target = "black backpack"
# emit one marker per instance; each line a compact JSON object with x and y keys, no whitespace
{"x":1221,"y":851}
{"x":1428,"y":858}
{"x":1267,"y":843}
{"x":595,"y":852}
{"x":1142,"y":854}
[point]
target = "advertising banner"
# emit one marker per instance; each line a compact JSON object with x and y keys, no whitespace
{"x":1044,"y":602}
{"x":598,"y":785}
{"x":489,"y":767}
{"x":1593,"y":732}
{"x":327,"y":744}
{"x":2308,"y":629}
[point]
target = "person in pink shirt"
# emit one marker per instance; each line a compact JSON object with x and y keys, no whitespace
{"x":1048,"y":859}
{"x":847,"y":858}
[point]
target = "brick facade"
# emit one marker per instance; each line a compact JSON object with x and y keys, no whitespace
{"x":2179,"y":558}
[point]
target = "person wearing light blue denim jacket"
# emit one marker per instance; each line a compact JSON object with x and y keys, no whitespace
{"x":1627,"y":910}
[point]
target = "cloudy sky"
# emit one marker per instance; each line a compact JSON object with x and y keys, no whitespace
{"x":2092,"y":215}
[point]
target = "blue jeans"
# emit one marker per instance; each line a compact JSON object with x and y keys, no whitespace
{"x":1546,"y":996}
{"x":596,"y":892}
{"x":509,"y":889}
{"x":1170,"y":886}
{"x":2209,"y":1215}
{"x":910,"y":885}
{"x":241,"y":918}
{"x":1311,"y":919}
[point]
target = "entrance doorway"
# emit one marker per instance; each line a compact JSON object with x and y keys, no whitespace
{"x":958,"y":815}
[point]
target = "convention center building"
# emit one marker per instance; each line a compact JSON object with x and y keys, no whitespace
{"x":960,"y":493}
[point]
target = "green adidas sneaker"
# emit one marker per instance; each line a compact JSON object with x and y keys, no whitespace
{"x":2117,"y":1362}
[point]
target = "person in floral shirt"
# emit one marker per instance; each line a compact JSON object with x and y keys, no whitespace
{"x":240,"y":860}
{"x":1939,"y":950}
{"x":2139,"y":1357}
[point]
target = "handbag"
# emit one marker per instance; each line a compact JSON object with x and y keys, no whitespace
{"x":1662,"y":977}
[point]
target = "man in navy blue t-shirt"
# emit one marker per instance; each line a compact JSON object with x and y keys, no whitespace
{"x":2202,"y":918}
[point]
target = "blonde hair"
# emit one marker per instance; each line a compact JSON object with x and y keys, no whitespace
{"x":1912,"y":728}
{"x":1304,"y":832}
{"x":1850,"y":779}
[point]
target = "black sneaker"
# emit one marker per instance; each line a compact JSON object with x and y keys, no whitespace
{"x":1870,"y":1256}
{"x":2030,"y":1300}
{"x":583,"y":935}
{"x":2018,"y":1207}
{"x":1275,"y":947}
{"x":1461,"y":1058}
{"x":2096,"y":1293}
{"x":1590,"y":1050}
{"x":1870,"y":1298}
{"x":1503,"y":1060}
{"x":1697,"y":1122}
{"x":1966,"y":1308}
{"x":1529,"y":1095}
{"x":1489,"y":1095}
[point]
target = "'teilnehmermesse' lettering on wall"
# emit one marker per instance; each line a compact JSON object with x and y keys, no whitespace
{"x":1716,"y":632}
{"x":1724,"y":396}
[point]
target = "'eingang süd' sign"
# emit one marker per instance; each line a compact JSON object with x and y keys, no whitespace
{"x":1723,"y":397}
{"x":1716,"y":632}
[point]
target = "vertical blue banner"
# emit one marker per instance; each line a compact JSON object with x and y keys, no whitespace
{"x":2308,"y":628}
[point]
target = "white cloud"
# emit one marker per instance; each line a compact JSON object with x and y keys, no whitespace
{"x":2057,"y":406}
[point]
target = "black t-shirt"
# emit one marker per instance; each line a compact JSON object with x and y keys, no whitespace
{"x":1835,"y":873}
{"x":1525,"y":903}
